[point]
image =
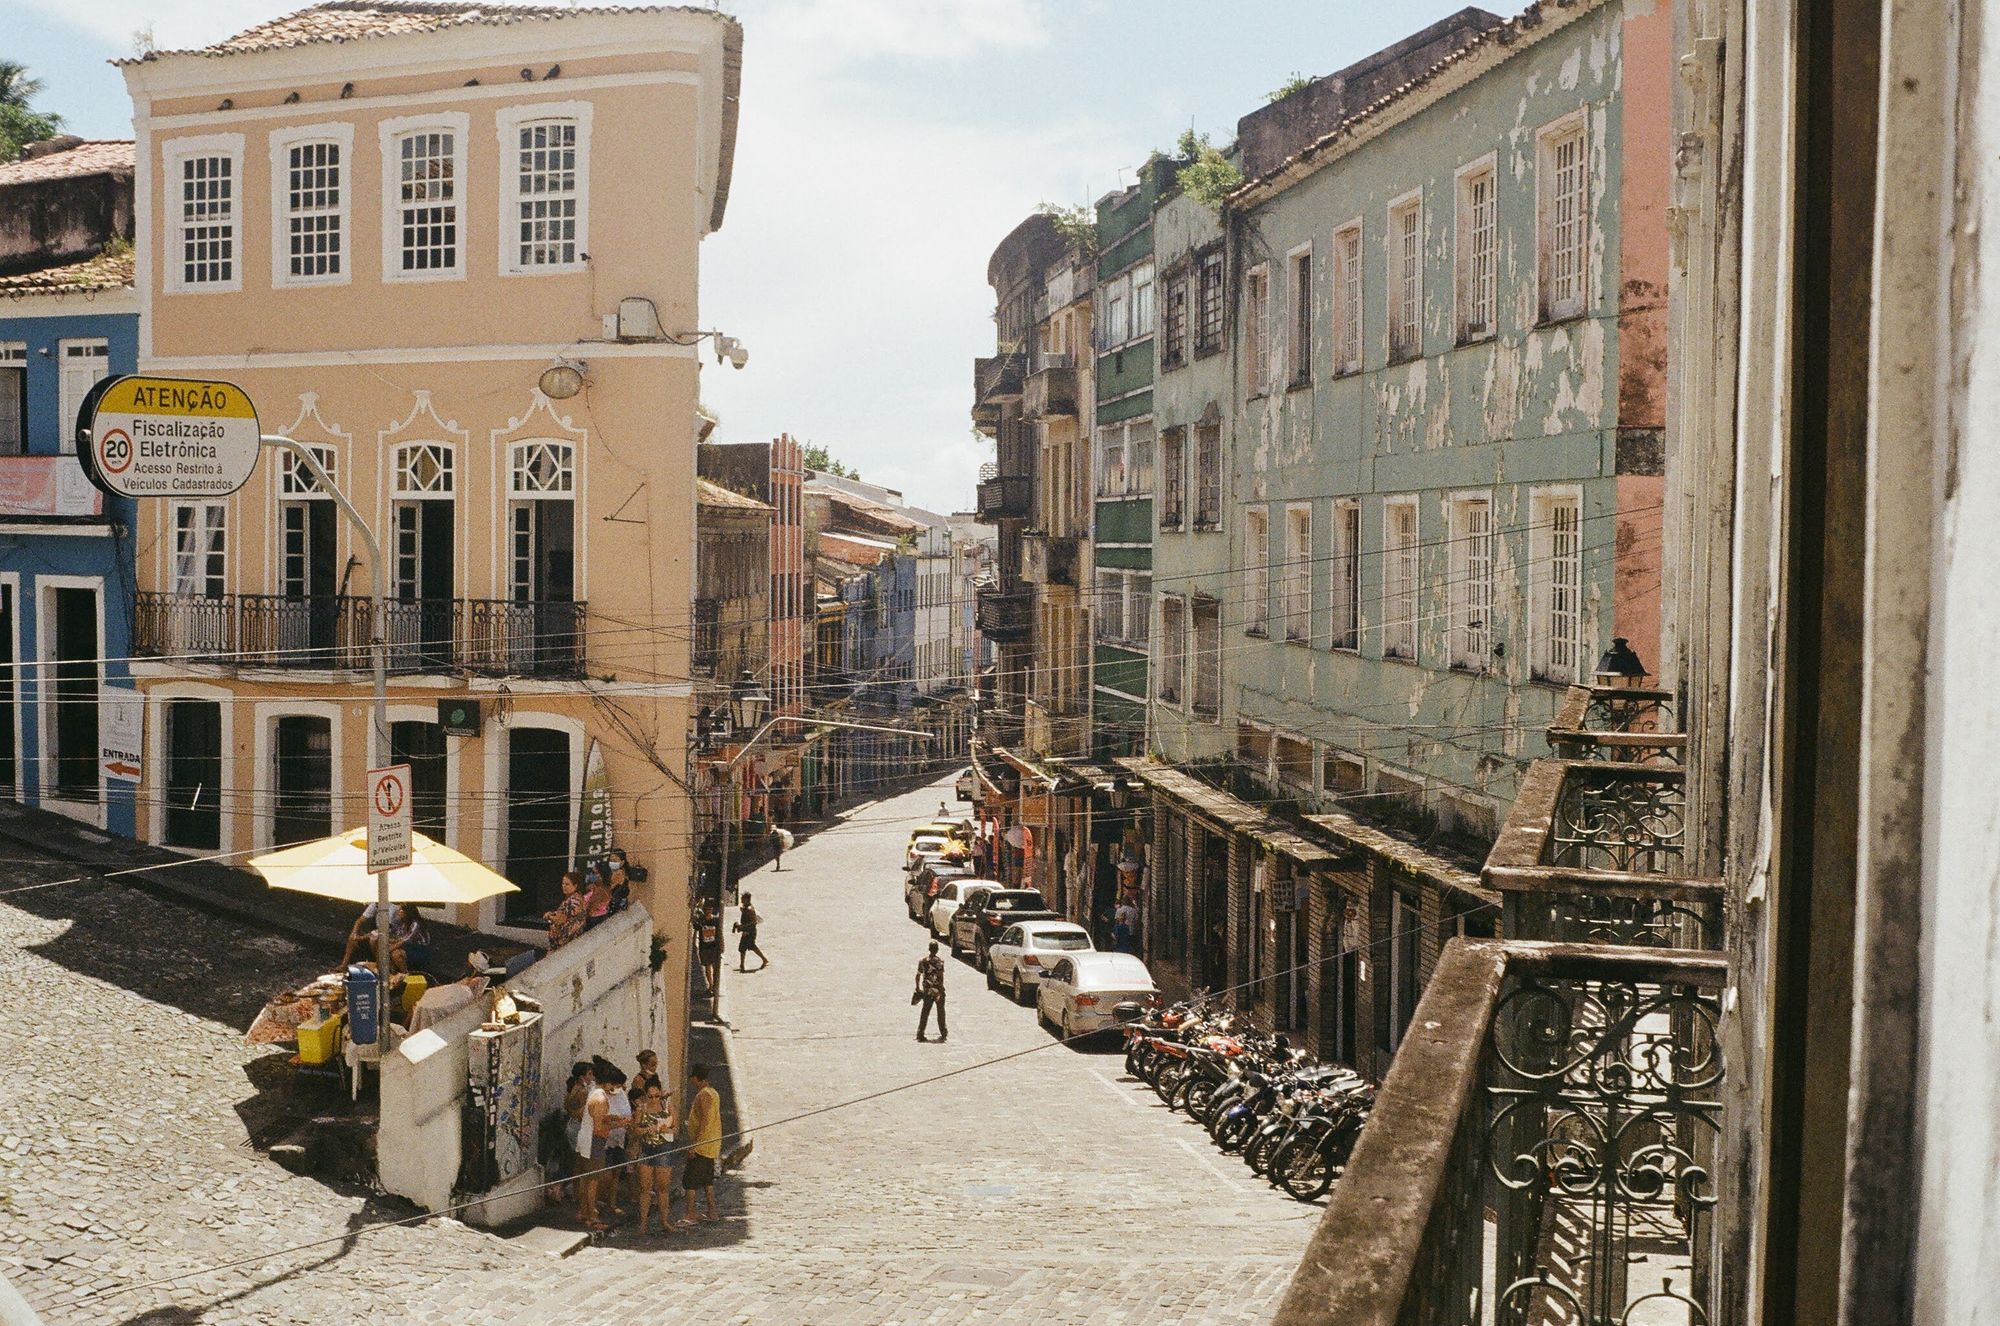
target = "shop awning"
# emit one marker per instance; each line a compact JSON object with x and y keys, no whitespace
{"x":1377,"y":842}
{"x":1229,"y":811}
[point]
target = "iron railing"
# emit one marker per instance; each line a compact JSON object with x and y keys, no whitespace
{"x":1006,"y":618}
{"x":1006,"y":497}
{"x":493,"y":636}
{"x":1542,"y":1150}
{"x":1617,"y":723}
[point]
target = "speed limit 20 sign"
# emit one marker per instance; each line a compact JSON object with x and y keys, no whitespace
{"x":388,"y":818}
{"x":167,"y":437}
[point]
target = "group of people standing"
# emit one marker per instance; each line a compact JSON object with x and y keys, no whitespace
{"x":620,"y":1139}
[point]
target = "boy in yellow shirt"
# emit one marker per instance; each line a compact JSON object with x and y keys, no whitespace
{"x":704,"y":1132}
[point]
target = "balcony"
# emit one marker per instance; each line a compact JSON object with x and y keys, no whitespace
{"x":1050,"y":559}
{"x":1006,"y":497}
{"x":1006,"y":618}
{"x":1051,"y":389}
{"x":707,"y":635}
{"x":996,"y":379}
{"x":493,"y":637}
{"x":1543,"y":1147}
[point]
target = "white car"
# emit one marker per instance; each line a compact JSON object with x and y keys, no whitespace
{"x":930,"y":844}
{"x":967,"y":786}
{"x":945,"y":906}
{"x":1079,"y":992}
{"x":916,"y":890}
{"x":1023,"y":952}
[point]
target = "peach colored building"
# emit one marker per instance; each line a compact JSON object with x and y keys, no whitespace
{"x":385,"y":220}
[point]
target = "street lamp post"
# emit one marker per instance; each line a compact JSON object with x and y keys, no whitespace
{"x":747,"y":703}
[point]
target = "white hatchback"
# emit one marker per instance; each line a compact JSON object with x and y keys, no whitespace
{"x":1078,"y":993}
{"x":1017,"y":959}
{"x":945,"y":905}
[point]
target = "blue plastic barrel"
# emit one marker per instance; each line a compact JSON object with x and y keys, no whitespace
{"x":364,"y":1005}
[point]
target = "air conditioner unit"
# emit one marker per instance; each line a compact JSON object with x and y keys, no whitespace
{"x":1048,"y":360}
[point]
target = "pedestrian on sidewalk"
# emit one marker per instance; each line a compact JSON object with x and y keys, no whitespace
{"x":746,"y":926}
{"x":708,"y":944}
{"x":780,"y":840}
{"x":930,"y":994}
{"x":704,"y":1130}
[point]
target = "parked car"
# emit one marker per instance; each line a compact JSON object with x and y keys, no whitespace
{"x":937,"y":835}
{"x":930,"y":845}
{"x":1026,"y":949}
{"x":949,"y":896}
{"x":922,"y":887}
{"x":1077,"y":994}
{"x":967,"y":785}
{"x":982,"y":915}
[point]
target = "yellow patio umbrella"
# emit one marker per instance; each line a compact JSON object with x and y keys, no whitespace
{"x":337,"y":867}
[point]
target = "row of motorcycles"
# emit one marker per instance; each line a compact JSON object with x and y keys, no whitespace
{"x":1290,"y":1119}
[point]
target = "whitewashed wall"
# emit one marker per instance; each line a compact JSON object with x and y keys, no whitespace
{"x":597,"y":995}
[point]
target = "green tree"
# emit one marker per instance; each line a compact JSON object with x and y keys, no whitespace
{"x":816,"y":458}
{"x":21,"y":123}
{"x":1208,"y":176}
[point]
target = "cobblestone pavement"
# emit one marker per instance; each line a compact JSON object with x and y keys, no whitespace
{"x":1042,"y":1188}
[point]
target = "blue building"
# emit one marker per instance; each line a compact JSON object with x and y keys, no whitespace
{"x":68,"y":317}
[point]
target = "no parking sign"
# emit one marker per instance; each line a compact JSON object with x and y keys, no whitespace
{"x":388,"y":818}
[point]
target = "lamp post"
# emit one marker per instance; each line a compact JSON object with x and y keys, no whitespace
{"x":747,"y":703}
{"x":1619,"y":665}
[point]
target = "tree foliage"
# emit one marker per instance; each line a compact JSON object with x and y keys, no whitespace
{"x":21,"y":123}
{"x":1078,"y":225}
{"x":817,"y":458}
{"x":1298,"y":82}
{"x":1208,"y":176}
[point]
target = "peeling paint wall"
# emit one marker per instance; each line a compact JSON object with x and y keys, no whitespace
{"x":1572,"y":405}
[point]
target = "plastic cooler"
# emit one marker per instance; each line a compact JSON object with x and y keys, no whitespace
{"x":414,"y":986}
{"x":320,"y":1041}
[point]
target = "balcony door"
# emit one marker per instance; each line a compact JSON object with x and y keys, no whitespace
{"x":421,"y":619}
{"x":302,"y":779}
{"x":421,"y":746}
{"x":1339,"y":984}
{"x":541,"y":562}
{"x":308,"y":565}
{"x":73,"y":650}
{"x":538,"y":829}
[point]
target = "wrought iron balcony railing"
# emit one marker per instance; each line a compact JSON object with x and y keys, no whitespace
{"x":707,"y":634}
{"x":997,"y":378}
{"x":493,"y":636}
{"x":1005,"y":497}
{"x":1625,"y":724}
{"x":1050,"y":559}
{"x":1541,"y":1151}
{"x":1006,"y":618}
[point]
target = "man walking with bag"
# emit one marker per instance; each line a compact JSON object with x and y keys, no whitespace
{"x":930,"y":993}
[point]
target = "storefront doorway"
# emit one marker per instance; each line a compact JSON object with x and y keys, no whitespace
{"x":539,"y":781}
{"x":302,"y":805}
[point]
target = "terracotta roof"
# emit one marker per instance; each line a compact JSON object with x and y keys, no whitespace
{"x":1489,"y":48}
{"x":714,"y":494}
{"x":99,"y":157}
{"x":352,"y":20}
{"x":104,"y":272}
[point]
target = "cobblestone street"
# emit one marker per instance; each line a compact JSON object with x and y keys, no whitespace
{"x":1041,"y":1188}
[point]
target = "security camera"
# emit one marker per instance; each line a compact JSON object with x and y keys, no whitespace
{"x":731,"y":349}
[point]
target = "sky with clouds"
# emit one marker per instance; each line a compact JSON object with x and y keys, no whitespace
{"x":886,"y":146}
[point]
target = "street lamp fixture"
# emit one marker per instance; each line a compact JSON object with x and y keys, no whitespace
{"x":1619,"y":665}
{"x":747,"y":704}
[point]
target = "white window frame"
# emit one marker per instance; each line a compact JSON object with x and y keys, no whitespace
{"x":1344,"y":591}
{"x":1471,"y":580}
{"x":511,"y":120}
{"x":1298,"y":575}
{"x":1477,"y":250}
{"x":1404,"y":276}
{"x":1110,"y":600}
{"x":1144,"y":309}
{"x":14,"y":358}
{"x":95,"y":349}
{"x":1555,"y":658}
{"x":1110,"y":472}
{"x":1139,"y":607}
{"x":1348,"y":299}
{"x":341,"y":137}
{"x":1554,"y":305}
{"x":173,"y":155}
{"x":1257,"y":330}
{"x":1257,"y":570}
{"x":199,"y":553}
{"x":1207,"y":663}
{"x":1298,"y":315}
{"x":392,"y":132}
{"x":1401,"y":576}
{"x":296,"y":482}
{"x":1114,"y":327}
{"x":1172,"y":653}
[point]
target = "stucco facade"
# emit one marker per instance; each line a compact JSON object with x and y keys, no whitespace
{"x":387,"y":266}
{"x":1447,"y":506}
